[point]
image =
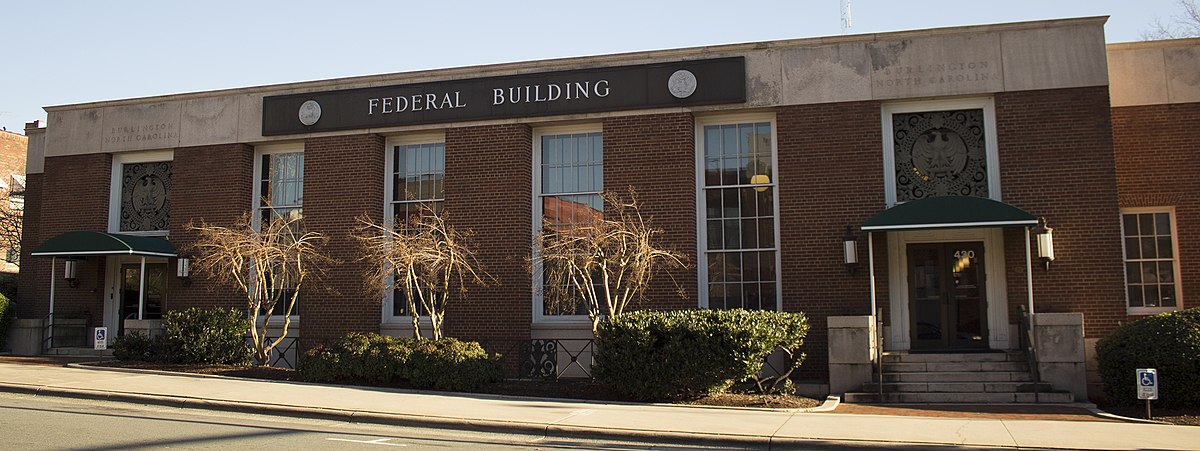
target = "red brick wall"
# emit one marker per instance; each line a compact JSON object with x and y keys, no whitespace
{"x":830,"y":176}
{"x":1056,"y":161}
{"x":343,"y":179}
{"x":12,"y":154}
{"x":488,"y":180}
{"x":655,"y":155}
{"x":74,"y":196}
{"x":209,"y":184}
{"x":1157,"y":166}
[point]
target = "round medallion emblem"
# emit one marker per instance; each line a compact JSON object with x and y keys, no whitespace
{"x":682,"y":83}
{"x":310,"y":112}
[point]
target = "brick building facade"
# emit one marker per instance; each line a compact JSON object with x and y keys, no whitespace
{"x":755,"y":180}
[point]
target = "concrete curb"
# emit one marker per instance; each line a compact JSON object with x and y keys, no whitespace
{"x":1100,"y":413}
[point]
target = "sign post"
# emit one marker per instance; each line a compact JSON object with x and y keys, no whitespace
{"x":101,"y":338}
{"x":1147,"y":386}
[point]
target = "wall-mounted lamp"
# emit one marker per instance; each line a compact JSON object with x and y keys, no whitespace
{"x":762,"y":182}
{"x":70,"y":271}
{"x":1045,"y":242}
{"x":850,"y":250}
{"x":183,"y":270}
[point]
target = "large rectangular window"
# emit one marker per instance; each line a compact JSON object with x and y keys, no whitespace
{"x":738,"y":217}
{"x":281,"y":185}
{"x":417,"y":175}
{"x":569,"y":187}
{"x":280,"y":195}
{"x":1151,"y":262}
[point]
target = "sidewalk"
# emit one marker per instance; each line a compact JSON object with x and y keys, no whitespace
{"x":577,"y":418}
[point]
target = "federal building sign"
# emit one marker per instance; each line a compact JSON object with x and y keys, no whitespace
{"x":683,"y":83}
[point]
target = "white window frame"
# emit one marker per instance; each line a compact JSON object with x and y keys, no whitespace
{"x":114,"y":195}
{"x":1170,"y":211}
{"x":431,"y":137}
{"x":701,"y":210}
{"x":256,"y":216}
{"x":259,"y":151}
{"x":987,"y":104}
{"x":538,"y":301}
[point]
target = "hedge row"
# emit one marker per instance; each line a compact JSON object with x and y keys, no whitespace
{"x":192,"y":336}
{"x":373,"y":359}
{"x":689,"y":353}
{"x":1168,"y":342}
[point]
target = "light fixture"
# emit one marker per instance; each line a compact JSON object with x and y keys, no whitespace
{"x":850,"y":250}
{"x":1045,"y":242}
{"x":183,"y":270}
{"x":762,"y":182}
{"x":70,"y":269}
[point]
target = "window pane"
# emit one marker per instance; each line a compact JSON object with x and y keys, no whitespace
{"x":712,"y":203}
{"x":1150,"y":296}
{"x":750,"y":267}
{"x":1165,"y":250}
{"x":1168,"y":295}
{"x":733,"y":234}
{"x":733,"y":267}
{"x":715,"y":234}
{"x":750,"y":296}
{"x":733,"y":296}
{"x":1149,"y":248}
{"x":716,"y":295}
{"x":1135,"y":296}
{"x":1146,"y":224}
{"x":1133,"y":248}
{"x":1166,"y":272}
{"x":766,"y":263}
{"x":749,"y":234}
{"x":769,"y":296}
{"x":716,"y":267}
{"x":1162,"y":224}
{"x":1133,"y":272}
{"x":1129,"y":225}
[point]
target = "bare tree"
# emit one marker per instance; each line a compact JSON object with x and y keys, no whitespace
{"x":268,"y":266}
{"x":425,"y":258}
{"x":604,"y":264}
{"x":1184,"y":25}
{"x":12,"y":209}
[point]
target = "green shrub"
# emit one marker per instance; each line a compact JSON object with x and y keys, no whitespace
{"x":1168,"y":342}
{"x":7,"y":312}
{"x":137,"y":346}
{"x":207,"y":336}
{"x":444,"y":364}
{"x":682,"y":354}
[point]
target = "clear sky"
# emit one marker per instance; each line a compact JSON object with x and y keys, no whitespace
{"x":63,"y":52}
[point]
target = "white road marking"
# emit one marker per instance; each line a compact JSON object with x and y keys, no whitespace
{"x":378,"y":441}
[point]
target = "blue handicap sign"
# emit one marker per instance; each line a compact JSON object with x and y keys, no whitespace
{"x":1146,"y":379}
{"x":100,"y":334}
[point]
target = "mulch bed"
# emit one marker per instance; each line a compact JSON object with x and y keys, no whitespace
{"x":1183,"y":417}
{"x":565,"y":388}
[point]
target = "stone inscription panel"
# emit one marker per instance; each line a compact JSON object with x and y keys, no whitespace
{"x":940,"y":66}
{"x":141,"y":127}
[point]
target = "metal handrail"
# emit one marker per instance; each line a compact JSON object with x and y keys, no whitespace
{"x":1027,"y":341}
{"x":47,"y":333}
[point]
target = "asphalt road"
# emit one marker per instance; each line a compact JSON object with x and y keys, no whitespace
{"x":43,"y":422}
{"x":40,"y":422}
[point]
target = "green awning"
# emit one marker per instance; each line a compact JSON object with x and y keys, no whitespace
{"x":949,"y":212}
{"x":82,"y":244}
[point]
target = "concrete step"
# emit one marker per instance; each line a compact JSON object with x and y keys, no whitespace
{"x":999,"y":356}
{"x":959,"y":387}
{"x":942,"y":367}
{"x":959,"y":376}
{"x":79,"y":352}
{"x":959,"y":398}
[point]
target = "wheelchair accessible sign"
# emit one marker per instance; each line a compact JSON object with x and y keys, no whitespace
{"x":1147,"y":383}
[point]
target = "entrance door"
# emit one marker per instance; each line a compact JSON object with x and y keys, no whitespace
{"x":946,"y":296}
{"x":130,"y":292}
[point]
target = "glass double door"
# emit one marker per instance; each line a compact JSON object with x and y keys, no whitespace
{"x":947,"y":303}
{"x":131,"y":296}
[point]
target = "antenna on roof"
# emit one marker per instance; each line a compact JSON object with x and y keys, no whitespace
{"x":846,"y":22}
